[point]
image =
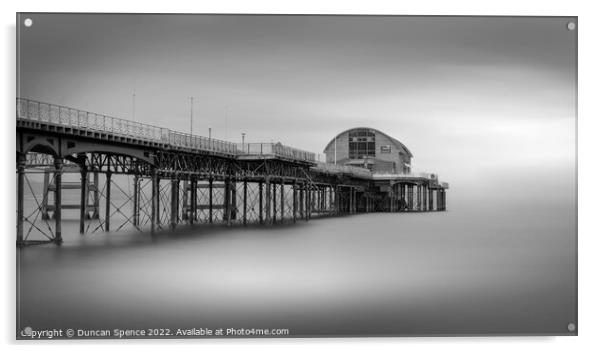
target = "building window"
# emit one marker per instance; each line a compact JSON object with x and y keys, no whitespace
{"x":361,"y":143}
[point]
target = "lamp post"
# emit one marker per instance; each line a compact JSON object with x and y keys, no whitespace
{"x":243,"y":138}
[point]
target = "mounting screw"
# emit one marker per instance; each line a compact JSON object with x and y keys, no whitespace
{"x":28,"y":22}
{"x":571,"y":327}
{"x":571,"y":26}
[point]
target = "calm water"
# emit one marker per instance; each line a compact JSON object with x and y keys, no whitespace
{"x":466,"y":271}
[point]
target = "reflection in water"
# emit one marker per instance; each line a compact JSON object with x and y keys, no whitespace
{"x":458,"y":272}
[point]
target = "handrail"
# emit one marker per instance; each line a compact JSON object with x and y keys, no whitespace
{"x":275,"y":149}
{"x":65,"y":116}
{"x":28,"y":109}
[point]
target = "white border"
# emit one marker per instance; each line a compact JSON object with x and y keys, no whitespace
{"x":590,"y":97}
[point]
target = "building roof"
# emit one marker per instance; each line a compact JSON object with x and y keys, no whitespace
{"x":396,"y":142}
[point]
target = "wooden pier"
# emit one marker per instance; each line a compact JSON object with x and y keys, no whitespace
{"x":175,"y":178}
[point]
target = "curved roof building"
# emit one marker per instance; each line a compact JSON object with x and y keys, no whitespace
{"x":369,"y":148}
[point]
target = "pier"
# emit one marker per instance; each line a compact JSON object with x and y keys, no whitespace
{"x":174,"y":178}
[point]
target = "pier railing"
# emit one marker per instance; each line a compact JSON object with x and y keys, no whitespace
{"x":275,"y":149}
{"x":75,"y":118}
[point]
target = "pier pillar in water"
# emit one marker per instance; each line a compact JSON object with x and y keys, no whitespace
{"x":244,"y":202}
{"x":268,"y":200}
{"x":274,"y":203}
{"x":83,"y":199}
{"x":136,"y":216}
{"x":233,"y":203}
{"x":443,"y":205}
{"x":175,"y":193}
{"x":194,"y":188}
{"x":430,"y":191}
{"x":260,"y":202}
{"x":282,"y":200}
{"x":21,"y":159}
{"x":58,"y":172}
{"x":210,"y":200}
{"x":154,"y":199}
{"x":295,"y":201}
{"x":227,"y":198}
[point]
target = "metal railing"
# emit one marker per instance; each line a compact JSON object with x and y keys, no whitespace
{"x":275,"y":149}
{"x":75,"y":118}
{"x":407,"y":175}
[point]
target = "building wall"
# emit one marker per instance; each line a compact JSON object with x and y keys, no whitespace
{"x":383,"y":161}
{"x":342,"y":143}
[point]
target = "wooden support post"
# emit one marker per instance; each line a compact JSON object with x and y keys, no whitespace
{"x":154,"y":194}
{"x":244,"y":202}
{"x":443,"y":205}
{"x":21,"y":160}
{"x":282,"y":200}
{"x":58,"y":171}
{"x":260,"y":202}
{"x":268,"y":200}
{"x":108,"y":203}
{"x":295,"y":201}
{"x":83,"y":200}
{"x":210,"y":200}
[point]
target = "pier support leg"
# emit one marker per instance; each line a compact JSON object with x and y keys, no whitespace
{"x":268,"y":200}
{"x":282,"y":200}
{"x":108,"y":204}
{"x":308,"y":202}
{"x":300,"y":191}
{"x":295,"y":201}
{"x":443,"y":205}
{"x":430,"y":191}
{"x":194,"y":189}
{"x":233,"y":203}
{"x":211,"y":200}
{"x":83,"y":200}
{"x":274,"y":205}
{"x":136,"y":200}
{"x":411,"y":197}
{"x":175,"y":193}
{"x":244,"y":202}
{"x":58,"y":171}
{"x":260,"y":202}
{"x":96,"y":196}
{"x":21,"y":159}
{"x":154,"y":204}
{"x":227,"y":198}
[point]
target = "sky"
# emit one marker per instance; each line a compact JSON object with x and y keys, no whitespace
{"x":488,"y":103}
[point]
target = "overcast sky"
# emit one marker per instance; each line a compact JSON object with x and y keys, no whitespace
{"x":470,"y":97}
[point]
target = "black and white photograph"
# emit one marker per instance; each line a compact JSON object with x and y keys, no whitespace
{"x":276,"y":176}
